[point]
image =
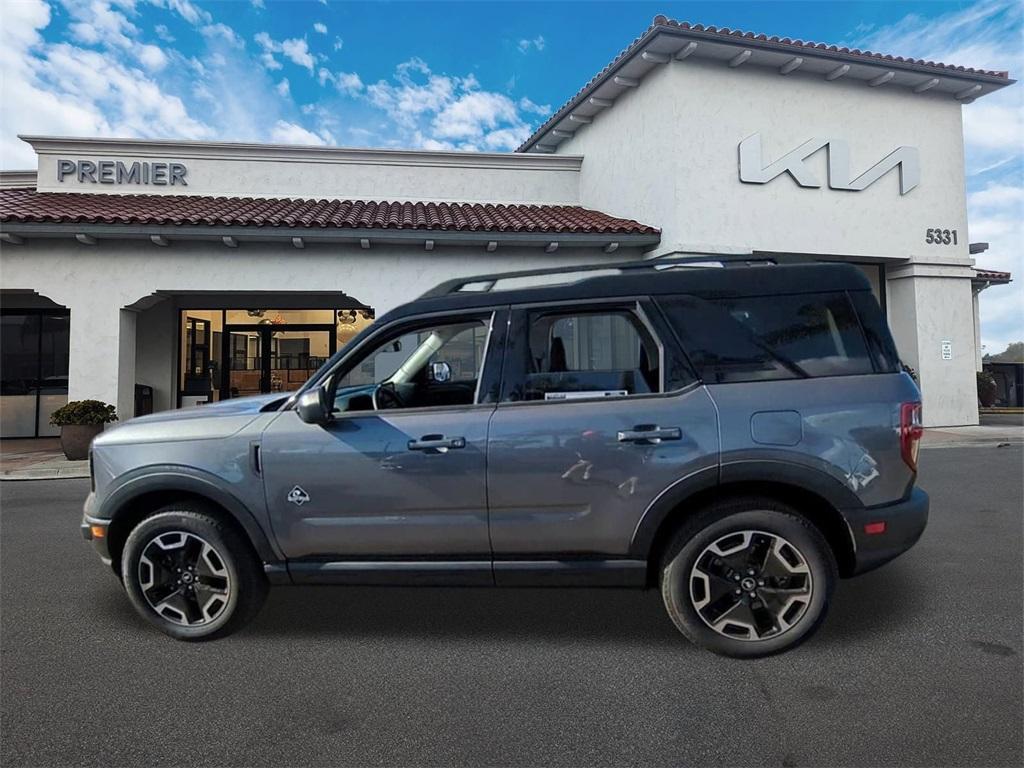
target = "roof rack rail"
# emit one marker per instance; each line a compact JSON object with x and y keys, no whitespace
{"x":487,"y":282}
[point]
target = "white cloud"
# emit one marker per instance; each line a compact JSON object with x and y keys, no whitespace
{"x":527,"y":105}
{"x":338,"y":43}
{"x":537,"y":43}
{"x":258,"y":4}
{"x":188,"y":10}
{"x":284,"y":132}
{"x":320,"y":27}
{"x":224,"y":32}
{"x":295,"y":50}
{"x":438,"y":111}
{"x":163,"y":33}
{"x":348,"y":82}
{"x":110,"y":81}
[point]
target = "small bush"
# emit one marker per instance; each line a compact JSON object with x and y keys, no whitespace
{"x":83,"y":412}
{"x":987,"y":389}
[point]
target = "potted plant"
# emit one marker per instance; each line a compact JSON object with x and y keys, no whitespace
{"x":987,"y":389}
{"x":80,"y":421}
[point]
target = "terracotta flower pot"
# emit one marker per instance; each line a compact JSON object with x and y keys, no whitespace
{"x":75,"y":439}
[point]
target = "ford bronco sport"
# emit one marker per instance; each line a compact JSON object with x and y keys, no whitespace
{"x":737,"y":437}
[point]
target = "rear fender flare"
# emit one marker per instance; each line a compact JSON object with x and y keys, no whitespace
{"x":735,"y":474}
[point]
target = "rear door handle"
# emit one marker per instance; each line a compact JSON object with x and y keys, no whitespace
{"x":437,"y":443}
{"x":649,"y":433}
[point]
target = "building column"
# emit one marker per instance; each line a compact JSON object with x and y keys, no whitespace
{"x":931,"y":313}
{"x":101,"y":364}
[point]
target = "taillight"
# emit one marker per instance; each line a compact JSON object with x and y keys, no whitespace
{"x":910,"y":433}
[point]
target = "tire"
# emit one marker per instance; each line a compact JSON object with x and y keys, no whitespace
{"x":711,"y":557}
{"x":191,"y":575}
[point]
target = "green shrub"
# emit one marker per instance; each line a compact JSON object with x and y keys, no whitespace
{"x":83,"y":412}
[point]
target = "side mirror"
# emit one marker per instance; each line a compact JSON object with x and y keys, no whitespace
{"x":440,"y":372}
{"x":312,"y":406}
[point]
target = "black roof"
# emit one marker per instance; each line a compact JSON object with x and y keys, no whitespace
{"x":708,"y":282}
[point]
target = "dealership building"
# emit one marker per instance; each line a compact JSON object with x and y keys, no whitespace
{"x":166,"y":274}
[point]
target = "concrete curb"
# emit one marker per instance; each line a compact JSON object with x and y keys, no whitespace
{"x":71,"y":470}
{"x":1015,"y":443}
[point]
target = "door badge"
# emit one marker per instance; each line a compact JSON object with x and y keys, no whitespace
{"x":297,"y":496}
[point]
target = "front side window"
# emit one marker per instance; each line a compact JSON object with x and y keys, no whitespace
{"x":770,"y":337}
{"x":580,"y":354}
{"x":420,"y":366}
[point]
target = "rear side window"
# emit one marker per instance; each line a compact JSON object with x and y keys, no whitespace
{"x":581,"y":354}
{"x":876,"y":331}
{"x":770,"y":337}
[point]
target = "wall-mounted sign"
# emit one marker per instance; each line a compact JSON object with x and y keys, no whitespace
{"x":947,"y":350}
{"x":754,"y":171}
{"x":116,"y":172}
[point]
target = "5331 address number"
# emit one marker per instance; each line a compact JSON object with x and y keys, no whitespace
{"x":940,"y":236}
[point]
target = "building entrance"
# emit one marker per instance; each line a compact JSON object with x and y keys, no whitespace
{"x":273,"y":358}
{"x":229,"y":353}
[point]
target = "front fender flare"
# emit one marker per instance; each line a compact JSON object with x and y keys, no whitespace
{"x":180,"y":479}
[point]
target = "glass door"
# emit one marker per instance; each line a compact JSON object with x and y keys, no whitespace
{"x":243,"y":369}
{"x":273,"y":358}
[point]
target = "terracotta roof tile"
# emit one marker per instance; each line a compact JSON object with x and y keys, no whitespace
{"x":725,"y":33}
{"x":993,"y":276}
{"x":26,"y":205}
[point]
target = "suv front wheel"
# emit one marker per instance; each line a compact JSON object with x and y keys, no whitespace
{"x":191,"y":575}
{"x":749,"y":577}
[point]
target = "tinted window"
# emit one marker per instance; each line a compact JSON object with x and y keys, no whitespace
{"x":770,"y":337}
{"x":876,"y":331}
{"x":581,"y":354}
{"x":403,"y":364}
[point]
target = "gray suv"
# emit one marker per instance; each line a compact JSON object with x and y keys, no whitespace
{"x":738,"y":436}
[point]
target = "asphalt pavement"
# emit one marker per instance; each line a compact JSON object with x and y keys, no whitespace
{"x":919,"y":663}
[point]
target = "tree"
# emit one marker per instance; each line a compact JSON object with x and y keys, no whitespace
{"x":1012,"y":354}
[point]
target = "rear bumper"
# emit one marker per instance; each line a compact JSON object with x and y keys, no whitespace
{"x":905,"y":521}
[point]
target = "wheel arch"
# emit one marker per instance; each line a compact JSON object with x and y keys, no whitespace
{"x":141,"y":495}
{"x":680,"y":503}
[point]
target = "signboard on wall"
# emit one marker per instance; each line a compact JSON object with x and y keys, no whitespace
{"x":753,"y":169}
{"x":144,"y":172}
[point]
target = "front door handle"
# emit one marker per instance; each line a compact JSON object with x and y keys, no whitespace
{"x":437,"y":443}
{"x":649,"y":433}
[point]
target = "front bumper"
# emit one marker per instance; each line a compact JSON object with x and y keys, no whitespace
{"x":94,"y":529}
{"x":905,"y":521}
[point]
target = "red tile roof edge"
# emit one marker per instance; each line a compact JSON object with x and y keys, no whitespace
{"x":663,"y":22}
{"x":25,"y":205}
{"x":993,"y":275}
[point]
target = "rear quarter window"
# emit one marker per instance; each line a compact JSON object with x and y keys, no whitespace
{"x":767,"y":338}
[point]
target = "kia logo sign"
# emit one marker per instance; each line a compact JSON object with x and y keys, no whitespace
{"x":117,"y":172}
{"x":753,"y":169}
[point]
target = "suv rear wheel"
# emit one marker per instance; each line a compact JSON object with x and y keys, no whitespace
{"x":749,"y":577}
{"x":191,"y":575}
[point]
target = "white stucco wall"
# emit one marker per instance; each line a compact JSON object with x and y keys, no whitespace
{"x":666,"y":153}
{"x":113,"y":348}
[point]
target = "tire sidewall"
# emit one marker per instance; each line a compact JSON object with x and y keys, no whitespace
{"x":166,"y":522}
{"x":677,"y":569}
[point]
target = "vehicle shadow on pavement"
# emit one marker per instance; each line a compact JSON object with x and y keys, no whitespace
{"x":873,"y":603}
{"x":861,"y":607}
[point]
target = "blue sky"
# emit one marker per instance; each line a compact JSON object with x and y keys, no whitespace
{"x":476,"y":76}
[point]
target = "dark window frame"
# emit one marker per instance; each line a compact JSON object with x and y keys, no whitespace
{"x":40,"y":313}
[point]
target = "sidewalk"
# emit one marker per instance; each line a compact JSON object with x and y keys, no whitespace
{"x":37,"y":459}
{"x":990,"y":435}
